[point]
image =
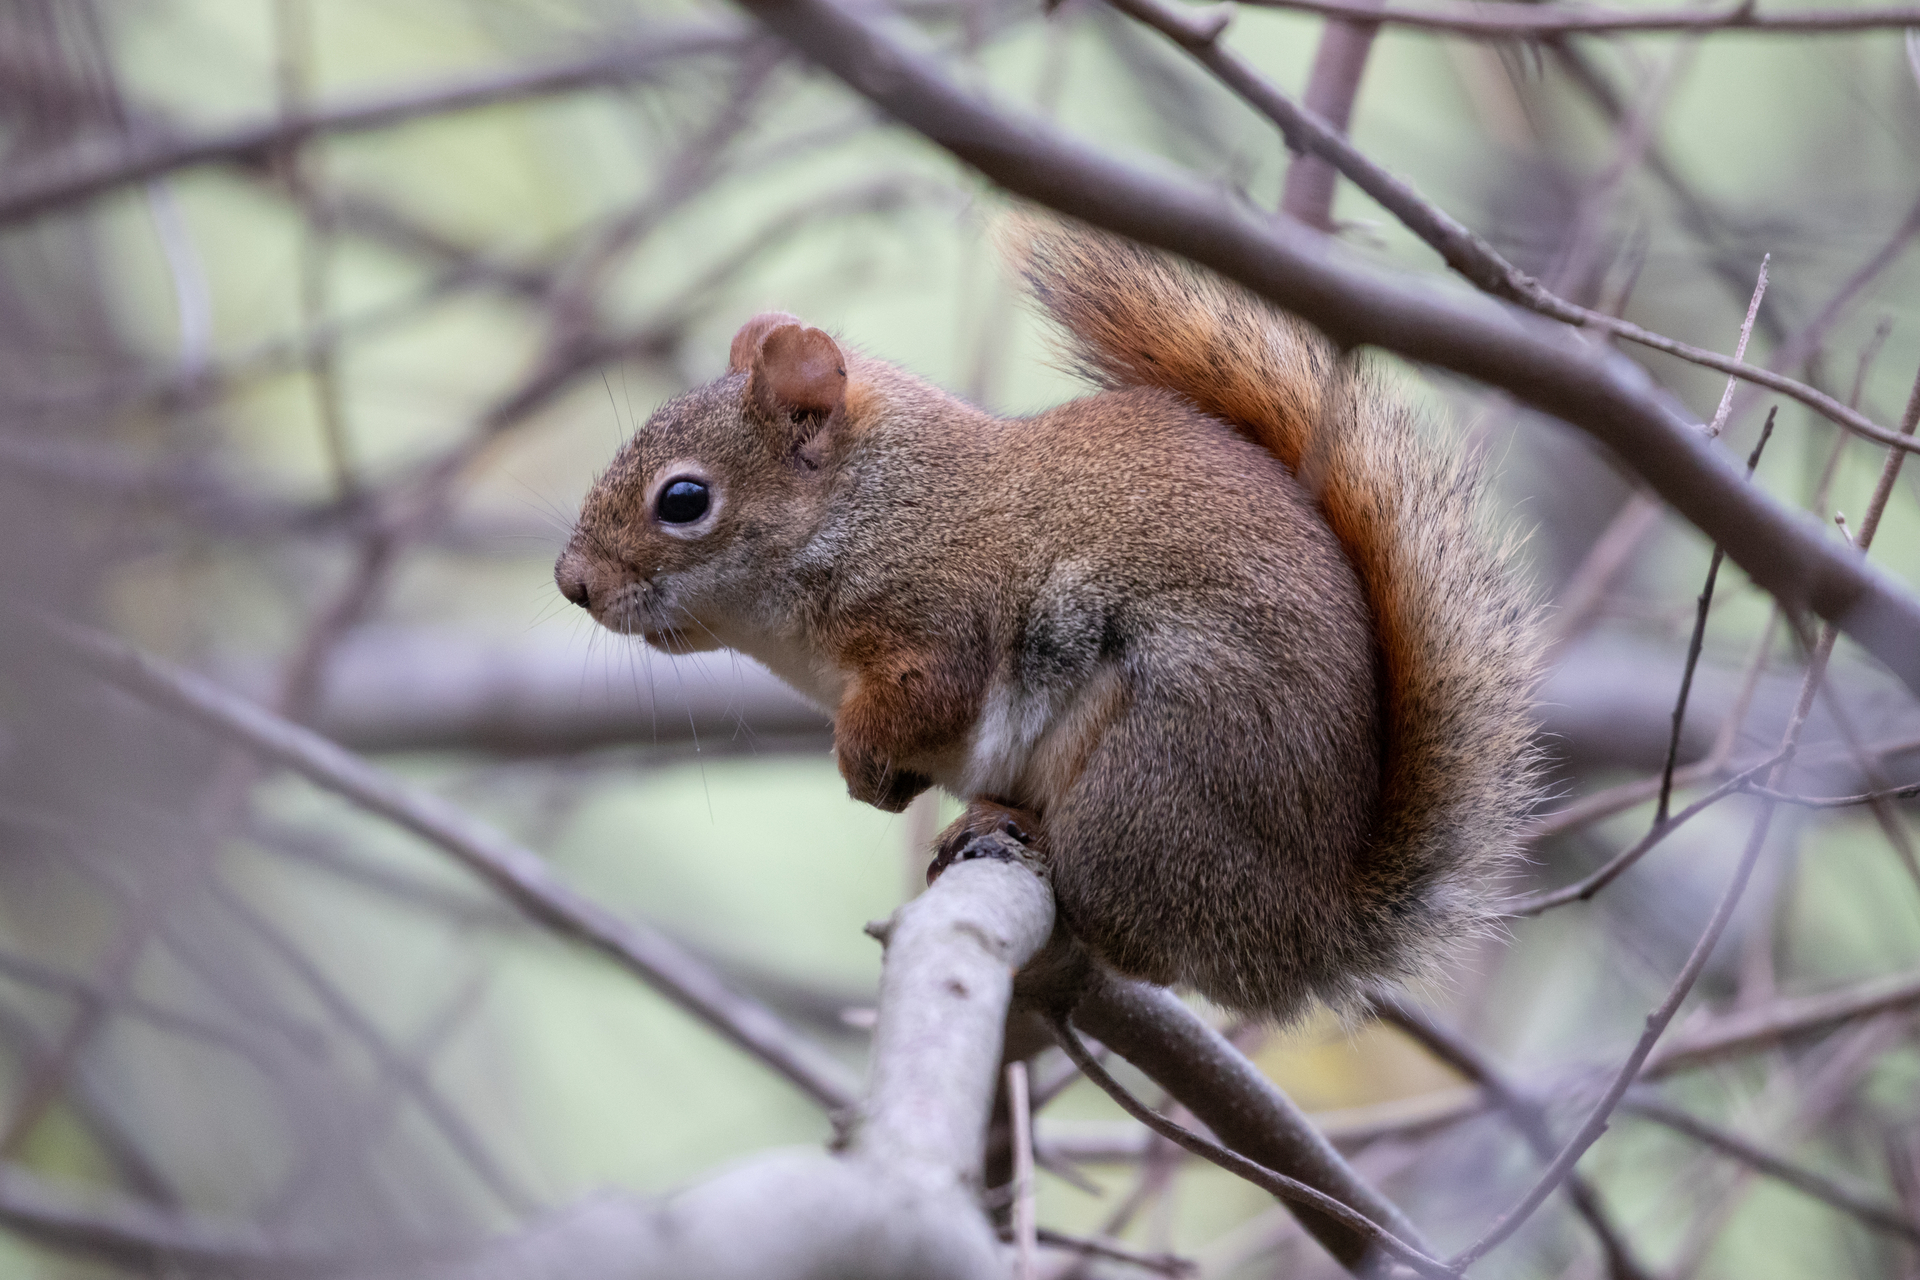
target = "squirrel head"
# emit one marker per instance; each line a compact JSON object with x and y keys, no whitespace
{"x":675,"y":539}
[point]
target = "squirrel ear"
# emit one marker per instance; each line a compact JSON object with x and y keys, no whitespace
{"x":798,"y":374}
{"x":746,"y":343}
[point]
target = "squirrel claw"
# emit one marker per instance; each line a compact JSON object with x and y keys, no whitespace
{"x":986,"y":830}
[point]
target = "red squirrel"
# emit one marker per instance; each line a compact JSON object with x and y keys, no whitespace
{"x":1225,"y":643}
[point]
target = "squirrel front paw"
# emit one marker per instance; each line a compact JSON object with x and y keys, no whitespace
{"x":988,"y":830}
{"x":871,"y":780}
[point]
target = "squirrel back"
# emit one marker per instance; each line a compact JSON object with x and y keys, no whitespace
{"x":1458,"y":647}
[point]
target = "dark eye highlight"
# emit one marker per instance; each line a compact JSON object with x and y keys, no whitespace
{"x":683,"y":502}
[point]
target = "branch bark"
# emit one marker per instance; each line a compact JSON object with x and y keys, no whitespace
{"x":901,"y":1200}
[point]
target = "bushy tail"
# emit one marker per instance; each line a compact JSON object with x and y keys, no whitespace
{"x":1458,"y":638}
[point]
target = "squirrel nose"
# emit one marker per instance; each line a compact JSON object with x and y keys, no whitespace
{"x":573,"y":586}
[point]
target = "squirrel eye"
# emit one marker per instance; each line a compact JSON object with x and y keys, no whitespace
{"x":683,"y":502}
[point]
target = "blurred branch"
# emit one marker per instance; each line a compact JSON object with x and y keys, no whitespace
{"x":622,"y":61}
{"x":1484,"y":22}
{"x":102,"y":999}
{"x":397,"y":1071}
{"x":1524,"y":1112}
{"x":1588,"y":885}
{"x":1339,"y":60}
{"x":1832,"y":802}
{"x":1553,"y":370}
{"x":1158,"y":1263}
{"x":142,"y":1236}
{"x":1459,"y":246}
{"x":1857,"y":1202}
{"x":1301,"y":1196}
{"x":1783,"y":1019}
{"x":1662,"y":1015}
{"x":515,"y":871}
{"x":101,"y":1111}
{"x":1153,"y":1030}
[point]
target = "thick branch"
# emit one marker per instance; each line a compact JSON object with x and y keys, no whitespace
{"x":901,"y":1202}
{"x":1547,"y":366}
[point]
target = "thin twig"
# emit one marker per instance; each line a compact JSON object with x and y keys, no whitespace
{"x":1656,"y":1024}
{"x":1276,"y":1184}
{"x":1658,"y":1020}
{"x":1020,"y":1109}
{"x":1705,"y":603}
{"x":1752,"y":1030}
{"x":1525,"y":1113}
{"x":1857,"y":1202}
{"x":1461,"y":248}
{"x":1719,"y":422}
{"x":623,"y":61}
{"x":1164,"y":1264}
{"x":1833,"y":802}
{"x":1482,"y":22}
{"x":1588,"y":885}
{"x":515,"y":871}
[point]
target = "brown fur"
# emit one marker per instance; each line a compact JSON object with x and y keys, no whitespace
{"x":1271,"y":737}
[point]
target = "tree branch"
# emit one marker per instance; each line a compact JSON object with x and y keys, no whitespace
{"x":1849,"y":1200}
{"x":1507,"y":22}
{"x":1459,"y":246}
{"x":1152,"y":1029}
{"x":1784,"y":1019}
{"x":68,"y":182}
{"x":515,"y":871}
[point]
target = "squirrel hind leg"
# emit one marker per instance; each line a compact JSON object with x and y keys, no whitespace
{"x":1185,"y":865}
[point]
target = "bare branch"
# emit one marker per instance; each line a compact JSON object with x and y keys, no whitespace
{"x":515,"y":871}
{"x":1459,"y":246}
{"x":1292,"y":1190}
{"x":32,"y":194}
{"x":1481,"y":22}
{"x":1588,"y":885}
{"x":137,"y":1234}
{"x":1339,"y":61}
{"x":1525,"y":1112}
{"x":1152,"y":1029}
{"x":1854,"y":1201}
{"x":1832,"y":802}
{"x":900,"y":1202}
{"x":1752,"y":1030}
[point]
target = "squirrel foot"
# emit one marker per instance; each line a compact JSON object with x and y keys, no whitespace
{"x":989,"y":829}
